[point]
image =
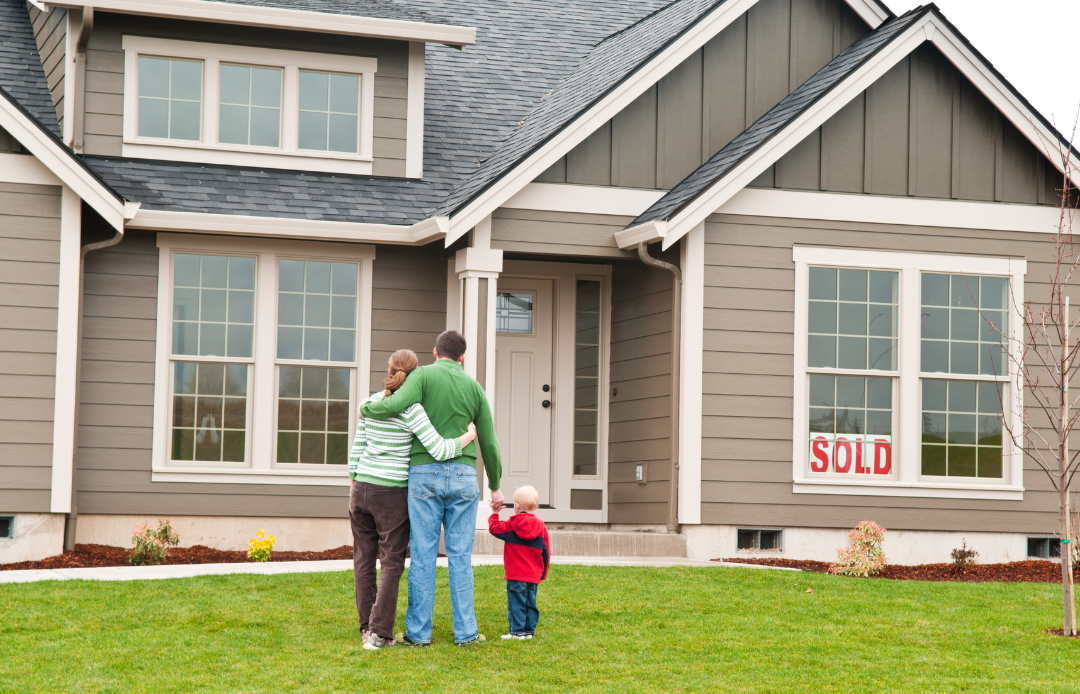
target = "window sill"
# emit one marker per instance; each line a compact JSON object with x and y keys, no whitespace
{"x":330,"y":478}
{"x":958,"y":491}
{"x":200,"y":153}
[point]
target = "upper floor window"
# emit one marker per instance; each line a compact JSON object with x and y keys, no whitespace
{"x":212,"y":103}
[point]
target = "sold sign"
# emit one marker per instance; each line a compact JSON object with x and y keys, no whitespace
{"x":851,"y":454}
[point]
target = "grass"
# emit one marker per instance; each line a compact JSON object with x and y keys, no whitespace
{"x":611,"y":629}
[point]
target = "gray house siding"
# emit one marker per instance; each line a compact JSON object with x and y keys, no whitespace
{"x":921,"y":130}
{"x":105,"y":77}
{"x":50,"y":30}
{"x":748,"y":379}
{"x":712,"y":96}
{"x":640,"y":412}
{"x":557,"y":233}
{"x":29,"y":281}
{"x":8,"y":143}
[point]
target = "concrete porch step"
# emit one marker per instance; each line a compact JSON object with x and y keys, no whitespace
{"x":601,"y":543}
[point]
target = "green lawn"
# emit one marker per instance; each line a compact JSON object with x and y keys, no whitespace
{"x":601,"y":629}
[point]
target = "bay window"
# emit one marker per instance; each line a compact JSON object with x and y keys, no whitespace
{"x":901,"y":371}
{"x":261,"y":348}
{"x":214,"y":103}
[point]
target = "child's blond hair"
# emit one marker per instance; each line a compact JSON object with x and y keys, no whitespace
{"x":527,"y":497}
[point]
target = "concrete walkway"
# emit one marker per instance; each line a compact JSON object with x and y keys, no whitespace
{"x":139,"y":573}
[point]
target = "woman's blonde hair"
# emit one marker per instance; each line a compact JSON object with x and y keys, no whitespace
{"x":402,"y":363}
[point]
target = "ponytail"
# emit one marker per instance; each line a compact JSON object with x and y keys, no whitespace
{"x":402,"y":363}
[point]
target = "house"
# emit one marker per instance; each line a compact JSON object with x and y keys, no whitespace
{"x":706,"y":254}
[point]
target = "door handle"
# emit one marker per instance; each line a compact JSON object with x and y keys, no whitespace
{"x":546,"y":388}
{"x":546,"y":403}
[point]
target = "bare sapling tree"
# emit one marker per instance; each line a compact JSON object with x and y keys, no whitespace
{"x":1044,"y":355}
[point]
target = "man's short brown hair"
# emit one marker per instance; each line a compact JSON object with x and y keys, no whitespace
{"x":450,"y":345}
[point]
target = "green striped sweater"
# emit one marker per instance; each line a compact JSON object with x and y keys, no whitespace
{"x":381,"y":449}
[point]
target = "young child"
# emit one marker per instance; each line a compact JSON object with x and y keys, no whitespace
{"x":525,"y":557}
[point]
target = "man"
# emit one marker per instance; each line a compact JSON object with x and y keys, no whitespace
{"x":444,"y":494}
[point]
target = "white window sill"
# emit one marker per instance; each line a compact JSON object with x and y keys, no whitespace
{"x":996,"y":492}
{"x":338,"y":477}
{"x":200,"y":153}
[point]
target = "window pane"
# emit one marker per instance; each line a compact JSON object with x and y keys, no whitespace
{"x":307,"y":309}
{"x":343,"y":133}
{"x":853,"y":285}
{"x":209,"y":421}
{"x":514,"y":313}
{"x":235,"y":84}
{"x":855,"y":436}
{"x":344,"y":278}
{"x":964,"y":289}
{"x":314,"y":415}
{"x":184,"y":120}
{"x":935,"y":290}
{"x":313,"y":130}
{"x":234,"y":124}
{"x":266,"y":87}
{"x":821,"y":351}
{"x":823,"y":283}
{"x":170,"y":98}
{"x":186,"y":80}
{"x":958,"y":336}
{"x":838,"y":330}
{"x":345,"y":94}
{"x":961,"y":429}
{"x":822,"y":317}
{"x":265,"y":127}
{"x":209,"y":317}
{"x":587,"y":377}
{"x":153,"y":118}
{"x":154,"y":77}
{"x":314,"y":91}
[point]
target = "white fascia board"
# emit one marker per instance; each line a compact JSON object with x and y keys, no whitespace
{"x":63,"y":164}
{"x":312,"y":230}
{"x":886,"y":209}
{"x":870,"y":11}
{"x":276,"y":17}
{"x":25,"y":168}
{"x":615,"y":101}
{"x":567,"y":197}
{"x":780,"y":144}
{"x":649,"y":232}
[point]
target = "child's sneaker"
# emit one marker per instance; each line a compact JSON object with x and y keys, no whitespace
{"x":374,"y":642}
{"x":479,"y":638}
{"x":403,"y":640}
{"x":516,"y":637}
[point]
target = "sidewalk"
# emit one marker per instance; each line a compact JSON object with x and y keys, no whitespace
{"x":141,"y":573}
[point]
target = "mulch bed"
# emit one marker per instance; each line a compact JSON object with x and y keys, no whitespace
{"x":104,"y":555}
{"x":1013,"y":572}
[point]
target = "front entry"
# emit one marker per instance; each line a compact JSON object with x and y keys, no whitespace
{"x":523,"y":396}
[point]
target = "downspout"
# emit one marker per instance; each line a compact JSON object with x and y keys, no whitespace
{"x":73,"y":518}
{"x":676,"y":344}
{"x":78,"y":112}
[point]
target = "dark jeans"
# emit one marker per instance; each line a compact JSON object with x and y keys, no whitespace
{"x":380,"y":525}
{"x":521,"y":609}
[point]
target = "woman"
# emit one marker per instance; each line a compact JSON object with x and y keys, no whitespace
{"x":379,"y":502}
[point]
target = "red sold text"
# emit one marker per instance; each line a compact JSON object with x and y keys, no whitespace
{"x":851,"y":454}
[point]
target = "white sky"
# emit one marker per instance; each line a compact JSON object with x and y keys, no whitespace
{"x":1031,"y":42}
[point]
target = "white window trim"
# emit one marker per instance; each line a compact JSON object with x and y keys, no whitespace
{"x":208,"y":149}
{"x":262,"y":399}
{"x":907,"y":481}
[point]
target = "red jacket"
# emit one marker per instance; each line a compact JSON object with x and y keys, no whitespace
{"x":527,"y":552}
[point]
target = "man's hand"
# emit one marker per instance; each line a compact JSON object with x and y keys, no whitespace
{"x":359,"y":414}
{"x":497,"y":500}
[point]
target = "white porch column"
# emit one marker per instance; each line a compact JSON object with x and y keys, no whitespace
{"x":690,"y":390}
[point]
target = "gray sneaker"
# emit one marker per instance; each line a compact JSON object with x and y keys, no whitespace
{"x":479,"y":638}
{"x":516,"y":637}
{"x":374,"y":642}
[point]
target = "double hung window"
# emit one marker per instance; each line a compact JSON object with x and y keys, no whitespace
{"x":260,"y":351}
{"x":249,"y":106}
{"x":902,"y":371}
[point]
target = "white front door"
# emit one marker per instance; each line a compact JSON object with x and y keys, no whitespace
{"x":523,"y":358}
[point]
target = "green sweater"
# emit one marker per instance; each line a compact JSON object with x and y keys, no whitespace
{"x":452,"y":399}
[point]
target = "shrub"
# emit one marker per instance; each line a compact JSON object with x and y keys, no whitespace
{"x":863,"y":555}
{"x":964,"y":557}
{"x":152,"y":544}
{"x":260,"y":546}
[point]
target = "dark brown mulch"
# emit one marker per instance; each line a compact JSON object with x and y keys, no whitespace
{"x":103,"y":555}
{"x":1059,"y":632}
{"x":1013,"y":572}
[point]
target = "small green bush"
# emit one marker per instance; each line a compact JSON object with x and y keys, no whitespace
{"x":152,"y":544}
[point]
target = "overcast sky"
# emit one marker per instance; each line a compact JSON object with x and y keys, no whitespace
{"x":1031,"y":42}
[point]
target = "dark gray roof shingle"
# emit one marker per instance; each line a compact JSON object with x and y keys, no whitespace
{"x":778,"y":118}
{"x":21,"y":72}
{"x":377,"y":9}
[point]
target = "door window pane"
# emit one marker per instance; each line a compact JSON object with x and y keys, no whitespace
{"x":313,"y":415}
{"x":213,"y":305}
{"x":961,"y":428}
{"x":514,"y":313}
{"x":329,"y":111}
{"x":852,"y":319}
{"x":850,"y":424}
{"x":586,"y":378}
{"x":963,"y":318}
{"x":250,"y":105}
{"x":170,"y":98}
{"x":317,"y":310}
{"x":209,"y":422}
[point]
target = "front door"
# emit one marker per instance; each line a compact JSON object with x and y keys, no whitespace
{"x":523,"y":356}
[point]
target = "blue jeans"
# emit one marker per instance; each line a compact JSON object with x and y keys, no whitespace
{"x":441,"y":494}
{"x":521,"y":609}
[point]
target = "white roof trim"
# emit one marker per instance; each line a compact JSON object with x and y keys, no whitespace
{"x":929,"y":28}
{"x":61,"y":162}
{"x":301,"y":20}
{"x":870,"y":11}
{"x":311,"y":230}
{"x":571,"y":197}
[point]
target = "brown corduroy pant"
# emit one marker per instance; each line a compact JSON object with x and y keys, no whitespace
{"x":380,"y":526}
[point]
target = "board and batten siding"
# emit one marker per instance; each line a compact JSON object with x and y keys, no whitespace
{"x":29,"y":292}
{"x":749,"y":371}
{"x":557,"y":233}
{"x":8,"y":144}
{"x":408,"y":304}
{"x":50,"y":31}
{"x":640,"y":413}
{"x":105,"y":76}
{"x":715,"y":94}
